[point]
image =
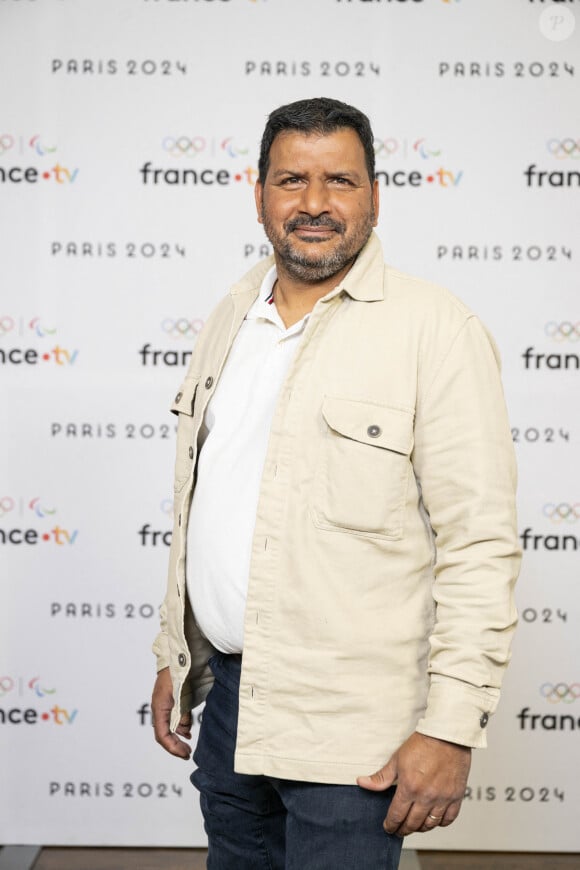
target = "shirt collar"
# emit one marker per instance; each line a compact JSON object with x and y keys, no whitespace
{"x":264,"y":308}
{"x":264,"y":305}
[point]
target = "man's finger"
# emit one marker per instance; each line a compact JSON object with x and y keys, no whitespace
{"x":432,"y":819}
{"x":173,"y":744}
{"x":382,"y":779}
{"x":184,"y":727}
{"x":418,"y":819}
{"x":451,"y":814}
{"x":161,"y":706}
{"x":396,"y":818}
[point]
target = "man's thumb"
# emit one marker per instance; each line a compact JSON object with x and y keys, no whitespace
{"x":382,"y":779}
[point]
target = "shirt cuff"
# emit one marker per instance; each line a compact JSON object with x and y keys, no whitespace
{"x":161,"y":650}
{"x":458,"y":712}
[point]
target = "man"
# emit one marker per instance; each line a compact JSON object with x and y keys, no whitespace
{"x":344,"y":547}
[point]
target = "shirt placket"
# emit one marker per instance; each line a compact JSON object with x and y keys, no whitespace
{"x":265,"y":569}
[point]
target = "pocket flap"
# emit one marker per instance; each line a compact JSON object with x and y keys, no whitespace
{"x":185,"y":398}
{"x":377,"y":425}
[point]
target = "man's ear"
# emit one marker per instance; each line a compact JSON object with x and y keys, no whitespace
{"x":258,"y":194}
{"x":376,"y":201}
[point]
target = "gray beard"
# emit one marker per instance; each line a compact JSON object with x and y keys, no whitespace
{"x":311,"y":270}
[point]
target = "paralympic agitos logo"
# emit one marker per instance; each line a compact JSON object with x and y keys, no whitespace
{"x":23,"y":333}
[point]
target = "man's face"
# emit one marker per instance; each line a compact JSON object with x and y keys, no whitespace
{"x":317,"y":204}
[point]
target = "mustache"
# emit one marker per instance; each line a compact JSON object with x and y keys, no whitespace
{"x":307,"y":221}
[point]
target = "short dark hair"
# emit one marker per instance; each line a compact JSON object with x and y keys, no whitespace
{"x":317,"y":115}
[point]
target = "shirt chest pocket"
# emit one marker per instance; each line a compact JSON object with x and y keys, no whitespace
{"x":183,"y":407}
{"x":364,"y":468}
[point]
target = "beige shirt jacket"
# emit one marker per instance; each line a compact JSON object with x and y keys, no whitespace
{"x":385,"y":550}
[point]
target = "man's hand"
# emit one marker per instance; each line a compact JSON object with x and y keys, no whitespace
{"x":161,"y":705}
{"x":430,"y":776}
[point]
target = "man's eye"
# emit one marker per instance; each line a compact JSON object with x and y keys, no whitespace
{"x":340,"y":180}
{"x":292,"y":179}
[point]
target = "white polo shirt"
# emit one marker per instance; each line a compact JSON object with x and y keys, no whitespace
{"x":233,"y":444}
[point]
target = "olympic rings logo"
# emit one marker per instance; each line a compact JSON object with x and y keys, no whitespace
{"x":564,"y":331}
{"x":185,"y":146}
{"x":562,"y":148}
{"x":6,"y":142}
{"x":386,"y":147}
{"x":181,"y":327}
{"x":6,"y":685}
{"x":7,"y":504}
{"x":167,"y":506}
{"x":560,"y":692}
{"x":562,"y":512}
{"x":7,"y":324}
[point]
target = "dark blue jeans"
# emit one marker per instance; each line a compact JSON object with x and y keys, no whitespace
{"x":265,"y":823}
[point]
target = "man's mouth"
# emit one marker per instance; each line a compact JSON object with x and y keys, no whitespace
{"x":314,"y":229}
{"x":310,"y":232}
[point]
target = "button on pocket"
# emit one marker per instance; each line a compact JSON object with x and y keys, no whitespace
{"x":183,"y":407}
{"x":363,"y":473}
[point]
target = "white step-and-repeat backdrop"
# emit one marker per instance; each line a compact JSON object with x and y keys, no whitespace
{"x":129,"y":133}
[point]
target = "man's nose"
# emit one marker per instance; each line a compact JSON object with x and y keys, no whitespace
{"x":314,"y":198}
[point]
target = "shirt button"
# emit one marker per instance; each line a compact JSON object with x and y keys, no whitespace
{"x":374,"y":431}
{"x":181,"y":659}
{"x":484,"y":720}
{"x":191,"y":452}
{"x":208,"y":383}
{"x":178,"y":397}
